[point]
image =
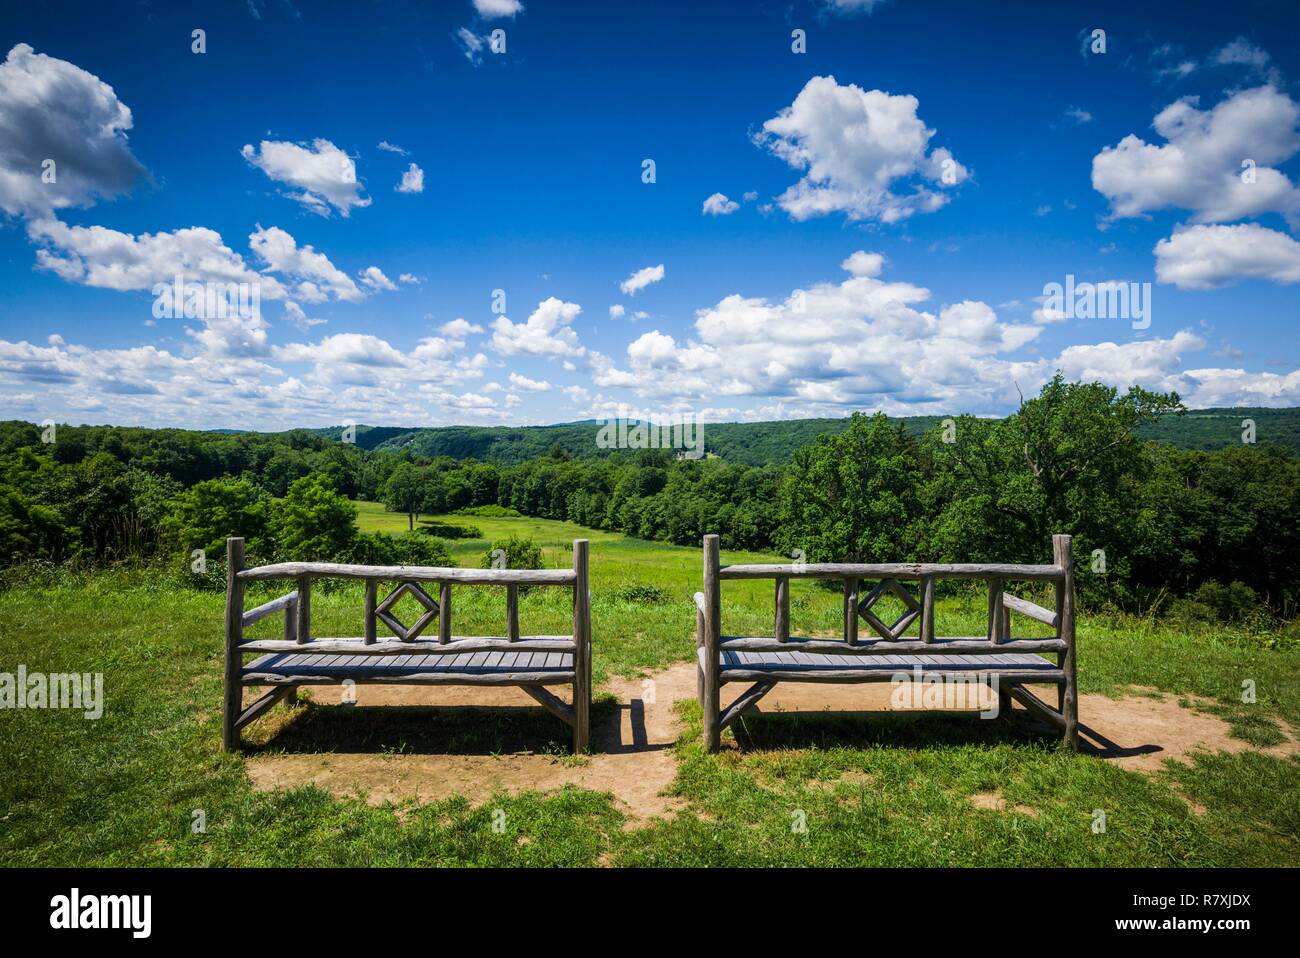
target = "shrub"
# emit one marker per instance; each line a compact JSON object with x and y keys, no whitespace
{"x":313,"y":522}
{"x":447,"y":530}
{"x":491,"y":512}
{"x":520,"y":553}
{"x":409,"y":548}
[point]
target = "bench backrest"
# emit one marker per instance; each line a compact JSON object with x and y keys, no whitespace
{"x":890,"y":579}
{"x":411,"y":580}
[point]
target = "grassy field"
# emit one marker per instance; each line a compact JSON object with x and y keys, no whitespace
{"x":125,"y":789}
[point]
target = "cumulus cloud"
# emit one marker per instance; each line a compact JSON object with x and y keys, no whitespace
{"x":1202,"y":257}
{"x":835,"y":346}
{"x":719,"y":205}
{"x":616,"y":311}
{"x":325,"y":176}
{"x":459,"y":328}
{"x":493,"y":9}
{"x":547,"y":332}
{"x":373,"y":277}
{"x":412,"y":180}
{"x":641,"y":279}
{"x":318,"y":277}
{"x":528,"y":385}
{"x":410,"y":279}
{"x":53,"y":110}
{"x":296,"y":315}
{"x":1200,"y":165}
{"x":110,"y":259}
{"x":856,"y":149}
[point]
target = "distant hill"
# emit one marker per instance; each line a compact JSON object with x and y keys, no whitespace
{"x":762,"y":443}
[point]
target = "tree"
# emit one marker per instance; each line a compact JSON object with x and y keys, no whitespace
{"x":853,"y":497}
{"x":405,"y":491}
{"x":313,"y":522}
{"x":209,"y":512}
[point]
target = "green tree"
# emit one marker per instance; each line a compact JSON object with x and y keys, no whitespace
{"x":853,"y":497}
{"x":209,"y":512}
{"x":405,"y":491}
{"x":313,"y":522}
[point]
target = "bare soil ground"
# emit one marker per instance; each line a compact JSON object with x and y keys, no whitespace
{"x":631,"y":748}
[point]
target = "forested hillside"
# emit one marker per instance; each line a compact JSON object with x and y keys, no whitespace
{"x":1220,"y":526}
{"x":768,"y":443}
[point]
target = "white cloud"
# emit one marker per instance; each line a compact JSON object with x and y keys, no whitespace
{"x":850,"y":7}
{"x":1241,"y":52}
{"x":459,"y":328}
{"x":471,"y":44}
{"x":106,"y":258}
{"x":528,"y":385}
{"x":1202,"y":257}
{"x":53,"y":110}
{"x":409,"y":279}
{"x":374,"y":278}
{"x":854,"y":147}
{"x":326,"y":176}
{"x":1200,"y":166}
{"x":412,"y":180}
{"x":1078,"y":115}
{"x":299,"y":318}
{"x":320,"y":278}
{"x":616,"y":311}
{"x":719,"y":205}
{"x":493,"y":9}
{"x":546,"y":333}
{"x":392,"y":148}
{"x":641,"y":279}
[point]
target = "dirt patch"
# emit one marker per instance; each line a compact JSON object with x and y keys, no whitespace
{"x":1138,"y":731}
{"x":631,"y":751}
{"x":994,"y":801}
{"x":631,"y":748}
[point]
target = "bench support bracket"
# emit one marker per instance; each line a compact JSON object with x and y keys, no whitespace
{"x":551,"y":702}
{"x":744,"y":701}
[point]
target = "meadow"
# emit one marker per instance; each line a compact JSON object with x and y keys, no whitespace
{"x":874,"y":789}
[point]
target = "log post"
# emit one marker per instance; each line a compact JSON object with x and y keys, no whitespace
{"x":233,"y":699}
{"x":782,"y":608}
{"x":851,"y":611}
{"x":372,"y":589}
{"x":304,"y":609}
{"x":581,"y":647}
{"x":927,"y":609}
{"x":512,"y":609}
{"x":444,"y":612}
{"x":291,"y":635}
{"x":994,"y":629}
{"x":712,"y":640}
{"x":1063,"y":556}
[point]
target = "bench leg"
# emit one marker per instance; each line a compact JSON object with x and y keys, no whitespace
{"x":1004,"y":701}
{"x":291,"y":697}
{"x":581,"y":718}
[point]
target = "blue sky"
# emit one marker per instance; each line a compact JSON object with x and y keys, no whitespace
{"x":895,"y":201}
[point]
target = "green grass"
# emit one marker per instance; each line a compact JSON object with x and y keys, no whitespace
{"x":885,"y":790}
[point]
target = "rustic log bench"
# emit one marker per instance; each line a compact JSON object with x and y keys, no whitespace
{"x":1005,"y":663}
{"x":531,"y":662}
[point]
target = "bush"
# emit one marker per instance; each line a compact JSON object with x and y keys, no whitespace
{"x":409,"y":548}
{"x":520,"y":553}
{"x":1215,"y":603}
{"x":313,"y":522}
{"x":491,"y":512}
{"x":642,"y":593}
{"x":446,"y":530}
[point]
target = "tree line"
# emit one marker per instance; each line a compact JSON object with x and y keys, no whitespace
{"x":1150,"y":521}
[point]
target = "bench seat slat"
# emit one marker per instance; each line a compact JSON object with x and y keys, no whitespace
{"x":467,"y":668}
{"x":795,"y":665}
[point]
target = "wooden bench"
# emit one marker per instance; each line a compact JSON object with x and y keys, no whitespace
{"x":1006,"y":663}
{"x":531,"y":662}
